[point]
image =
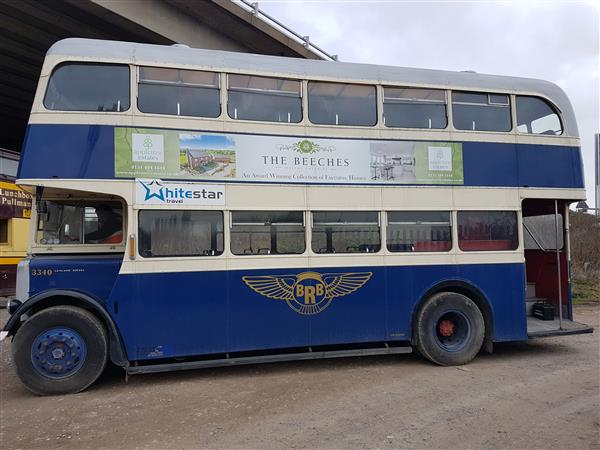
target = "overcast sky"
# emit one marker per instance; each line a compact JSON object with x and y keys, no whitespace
{"x":555,"y":41}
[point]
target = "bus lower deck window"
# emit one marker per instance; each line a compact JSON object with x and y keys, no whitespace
{"x":414,"y":108}
{"x":180,"y":233}
{"x":487,"y":230}
{"x":80,"y":222}
{"x":88,"y":87}
{"x":345,"y":232}
{"x":419,"y":231}
{"x":267,"y":232}
{"x":262,"y":98}
{"x":475,"y":111}
{"x":179,"y":92}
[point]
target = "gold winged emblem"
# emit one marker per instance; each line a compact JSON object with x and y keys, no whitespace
{"x":308,"y":292}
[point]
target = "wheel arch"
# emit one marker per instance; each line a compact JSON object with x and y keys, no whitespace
{"x":464,"y":288}
{"x":59,"y":297}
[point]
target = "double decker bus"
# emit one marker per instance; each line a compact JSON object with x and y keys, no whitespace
{"x":198,"y":208}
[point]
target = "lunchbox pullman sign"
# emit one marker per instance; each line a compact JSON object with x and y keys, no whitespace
{"x":14,"y":202}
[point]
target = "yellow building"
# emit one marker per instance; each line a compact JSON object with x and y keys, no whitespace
{"x":15,"y":211}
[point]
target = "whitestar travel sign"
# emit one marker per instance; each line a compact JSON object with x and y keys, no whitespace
{"x":158,"y":192}
{"x":153,"y":153}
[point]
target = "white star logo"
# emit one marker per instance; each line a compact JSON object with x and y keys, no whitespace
{"x":153,"y":189}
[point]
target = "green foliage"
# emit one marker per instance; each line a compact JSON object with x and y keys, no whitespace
{"x":585,"y":257}
{"x":585,"y":245}
{"x":585,"y":291}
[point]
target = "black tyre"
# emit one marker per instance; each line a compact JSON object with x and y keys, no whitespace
{"x":60,"y":350}
{"x":449,"y":329}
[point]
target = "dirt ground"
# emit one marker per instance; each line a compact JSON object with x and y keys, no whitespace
{"x":539,"y":394}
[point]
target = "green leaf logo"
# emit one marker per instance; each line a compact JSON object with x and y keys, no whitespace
{"x":307,"y":147}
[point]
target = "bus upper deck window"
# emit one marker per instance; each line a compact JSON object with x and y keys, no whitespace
{"x":477,"y":111}
{"x":179,"y":92}
{"x":536,"y":116}
{"x":341,"y":104}
{"x":88,"y":87}
{"x":264,"y":98}
{"x":414,"y":108}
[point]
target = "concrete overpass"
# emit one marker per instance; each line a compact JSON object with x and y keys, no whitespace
{"x":29,"y":27}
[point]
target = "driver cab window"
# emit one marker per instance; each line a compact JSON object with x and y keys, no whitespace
{"x":80,"y":222}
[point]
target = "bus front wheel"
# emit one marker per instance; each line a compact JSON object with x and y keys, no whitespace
{"x":449,"y":329}
{"x":60,"y":350}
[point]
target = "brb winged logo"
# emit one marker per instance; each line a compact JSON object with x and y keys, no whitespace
{"x":308,"y":292}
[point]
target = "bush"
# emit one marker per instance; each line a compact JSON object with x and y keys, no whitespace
{"x":585,"y":257}
{"x":585,"y":246}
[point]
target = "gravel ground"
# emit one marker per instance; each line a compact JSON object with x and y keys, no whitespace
{"x":538,"y":394}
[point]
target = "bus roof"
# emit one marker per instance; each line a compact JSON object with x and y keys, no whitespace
{"x":314,"y":69}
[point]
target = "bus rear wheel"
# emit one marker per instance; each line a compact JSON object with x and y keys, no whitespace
{"x":449,"y":329}
{"x":60,"y":350}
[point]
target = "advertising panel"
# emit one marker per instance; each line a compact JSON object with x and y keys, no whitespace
{"x":173,"y":154}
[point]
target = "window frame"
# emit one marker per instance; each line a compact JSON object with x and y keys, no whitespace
{"x":378,"y":109}
{"x":380,"y":230}
{"x":446,"y":104}
{"x":72,"y":248}
{"x":511,"y":106}
{"x":231,"y":225}
{"x":89,"y":111}
{"x":219,"y":88}
{"x":301,"y":96}
{"x":518,"y":230}
{"x":451,"y":222}
{"x":548,"y":102}
{"x":138,"y":253}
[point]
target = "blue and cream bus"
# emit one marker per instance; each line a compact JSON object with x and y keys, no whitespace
{"x":198,"y":208}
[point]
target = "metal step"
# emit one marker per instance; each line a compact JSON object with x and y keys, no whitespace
{"x":537,"y":328}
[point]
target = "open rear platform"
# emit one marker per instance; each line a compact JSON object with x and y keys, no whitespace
{"x":542,"y":328}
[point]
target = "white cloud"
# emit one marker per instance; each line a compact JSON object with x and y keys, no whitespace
{"x":555,"y":41}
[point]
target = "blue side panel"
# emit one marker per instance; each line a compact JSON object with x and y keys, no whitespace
{"x":90,"y":275}
{"x":258,"y":322}
{"x":502,"y":284}
{"x":68,"y":151}
{"x":549,"y":166}
{"x":356,"y":317}
{"x":87,"y":151}
{"x":505,"y":289}
{"x":172,"y":314}
{"x":490,"y":164}
{"x":182,"y":314}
